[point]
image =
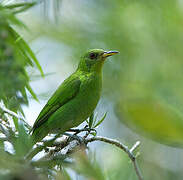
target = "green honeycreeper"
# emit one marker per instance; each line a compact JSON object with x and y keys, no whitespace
{"x":75,"y":99}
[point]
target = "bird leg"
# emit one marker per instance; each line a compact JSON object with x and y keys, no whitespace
{"x":77,"y":131}
{"x":74,"y":137}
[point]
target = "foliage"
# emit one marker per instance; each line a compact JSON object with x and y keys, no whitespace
{"x":56,"y":153}
{"x":142,"y":84}
{"x":15,"y":56}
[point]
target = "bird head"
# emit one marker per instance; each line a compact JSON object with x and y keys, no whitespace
{"x":93,"y":60}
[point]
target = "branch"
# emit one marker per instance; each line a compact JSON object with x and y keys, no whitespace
{"x":4,"y":131}
{"x":53,"y":157}
{"x":124,"y":148}
{"x":135,"y":164}
{"x":13,"y":114}
{"x":64,"y":147}
{"x":45,"y":144}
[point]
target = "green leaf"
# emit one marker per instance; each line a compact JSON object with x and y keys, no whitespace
{"x":22,"y":143}
{"x":20,"y":7}
{"x":24,"y":94}
{"x":24,"y":46}
{"x":93,"y":133}
{"x":95,"y":119}
{"x":15,"y":121}
{"x":91,"y":120}
{"x":63,"y":174}
{"x":31,"y":54}
{"x":100,"y":121}
{"x":31,"y":92}
{"x":153,"y":118}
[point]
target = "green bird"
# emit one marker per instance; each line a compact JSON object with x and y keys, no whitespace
{"x":75,"y":99}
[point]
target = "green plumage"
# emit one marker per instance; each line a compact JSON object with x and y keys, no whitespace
{"x":75,"y":99}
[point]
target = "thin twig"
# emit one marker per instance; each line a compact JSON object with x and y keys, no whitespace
{"x":135,"y":164}
{"x":123,"y":147}
{"x":114,"y":142}
{"x":4,"y":131}
{"x":135,"y":146}
{"x":137,"y":169}
{"x":71,"y":143}
{"x":81,"y":130}
{"x":13,"y":114}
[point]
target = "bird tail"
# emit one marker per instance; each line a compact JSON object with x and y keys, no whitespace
{"x":38,"y":134}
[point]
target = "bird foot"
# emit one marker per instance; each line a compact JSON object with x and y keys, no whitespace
{"x":86,"y":128}
{"x":75,"y":137}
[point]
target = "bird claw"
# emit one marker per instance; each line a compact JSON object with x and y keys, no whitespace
{"x":75,"y":137}
{"x":79,"y":139}
{"x":86,"y":128}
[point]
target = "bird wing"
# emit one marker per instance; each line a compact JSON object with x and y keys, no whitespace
{"x":66,"y":91}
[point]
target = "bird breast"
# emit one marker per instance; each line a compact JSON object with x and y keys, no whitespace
{"x":89,"y":93}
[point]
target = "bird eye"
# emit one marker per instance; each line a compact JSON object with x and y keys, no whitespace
{"x":93,"y":55}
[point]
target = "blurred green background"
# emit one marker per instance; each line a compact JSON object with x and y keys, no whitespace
{"x":142,"y":86}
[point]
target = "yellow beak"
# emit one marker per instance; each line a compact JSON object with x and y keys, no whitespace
{"x":109,"y":53}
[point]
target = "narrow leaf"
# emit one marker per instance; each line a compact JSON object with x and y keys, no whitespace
{"x":100,"y":121}
{"x":91,"y":120}
{"x":31,"y":92}
{"x":29,"y":51}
